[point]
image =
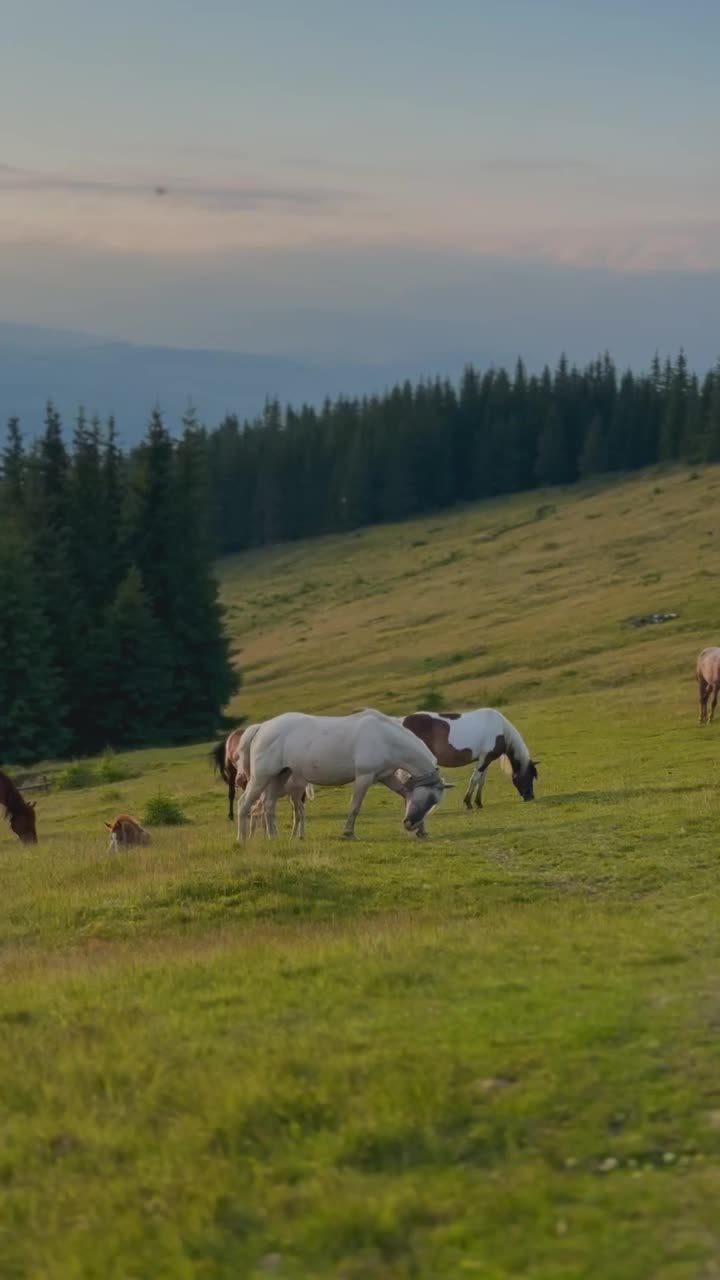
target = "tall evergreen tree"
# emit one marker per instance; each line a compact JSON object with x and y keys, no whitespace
{"x":552,"y":465}
{"x":711,"y":436}
{"x":594,"y":459}
{"x":13,"y":467}
{"x":32,"y":715}
{"x":133,"y":688}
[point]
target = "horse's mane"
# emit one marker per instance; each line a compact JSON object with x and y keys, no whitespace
{"x":516,"y":747}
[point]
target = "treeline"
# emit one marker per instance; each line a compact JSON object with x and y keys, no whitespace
{"x":110,"y":628}
{"x":418,"y":448}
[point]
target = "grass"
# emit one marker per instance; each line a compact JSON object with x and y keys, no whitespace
{"x":492,"y":1054}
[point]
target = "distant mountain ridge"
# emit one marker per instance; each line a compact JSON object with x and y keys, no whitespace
{"x":108,"y":376}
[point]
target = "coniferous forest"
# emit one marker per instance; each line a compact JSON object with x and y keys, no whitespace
{"x":110,"y":628}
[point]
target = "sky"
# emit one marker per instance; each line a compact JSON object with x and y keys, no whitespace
{"x":340,"y":180}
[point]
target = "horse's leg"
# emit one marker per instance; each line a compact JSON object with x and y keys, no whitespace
{"x":273,"y":790}
{"x":231,"y":777}
{"x":713,"y":704}
{"x":477,"y":779}
{"x":703,"y":693}
{"x":297,"y":799}
{"x":252,"y":792}
{"x":360,"y":790}
{"x":481,"y":776}
{"x":257,"y":814}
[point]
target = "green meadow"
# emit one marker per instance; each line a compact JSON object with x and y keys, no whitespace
{"x":493,"y":1054}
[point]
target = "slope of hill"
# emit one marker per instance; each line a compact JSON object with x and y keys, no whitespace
{"x":128,"y":380}
{"x":493,"y":1053}
{"x":508,"y":603}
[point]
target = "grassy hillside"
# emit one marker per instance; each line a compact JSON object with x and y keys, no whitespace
{"x":492,"y":1054}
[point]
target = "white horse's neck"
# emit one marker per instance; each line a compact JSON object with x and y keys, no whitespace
{"x":417,"y":759}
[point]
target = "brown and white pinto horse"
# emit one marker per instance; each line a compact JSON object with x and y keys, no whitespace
{"x":19,"y":813}
{"x":458,"y":738}
{"x":707,"y":671}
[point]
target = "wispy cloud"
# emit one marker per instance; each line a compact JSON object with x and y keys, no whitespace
{"x":516,"y":211}
{"x":233,"y":197}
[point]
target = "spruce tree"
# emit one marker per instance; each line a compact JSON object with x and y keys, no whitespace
{"x":711,"y":438}
{"x":32,"y":715}
{"x":552,"y":465}
{"x":594,"y":458}
{"x":134,"y":697}
{"x":13,"y":467}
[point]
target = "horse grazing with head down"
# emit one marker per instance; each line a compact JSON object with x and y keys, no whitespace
{"x":331,"y":751}
{"x":707,"y":671}
{"x":458,"y":738}
{"x":18,"y":812}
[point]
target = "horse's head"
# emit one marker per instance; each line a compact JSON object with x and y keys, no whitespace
{"x":422,"y":795}
{"x":523,"y":779}
{"x":22,"y":822}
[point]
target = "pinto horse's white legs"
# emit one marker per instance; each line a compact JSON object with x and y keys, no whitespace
{"x":360,"y":790}
{"x":477,"y":779}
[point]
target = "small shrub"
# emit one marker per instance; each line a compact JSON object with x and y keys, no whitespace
{"x":162,"y":810}
{"x":433,"y":699}
{"x":109,"y":768}
{"x":77,"y":774}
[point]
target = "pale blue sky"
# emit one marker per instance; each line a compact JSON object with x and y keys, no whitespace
{"x":399,"y":148}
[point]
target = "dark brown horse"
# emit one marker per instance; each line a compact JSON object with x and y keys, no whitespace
{"x":19,"y":813}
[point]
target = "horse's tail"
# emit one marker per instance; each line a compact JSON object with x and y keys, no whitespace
{"x":217,"y":757}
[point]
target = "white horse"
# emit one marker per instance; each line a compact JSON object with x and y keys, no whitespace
{"x":331,"y":751}
{"x":458,"y":738}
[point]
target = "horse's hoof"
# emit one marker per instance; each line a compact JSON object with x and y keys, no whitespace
{"x":468,"y":805}
{"x":348,"y":835}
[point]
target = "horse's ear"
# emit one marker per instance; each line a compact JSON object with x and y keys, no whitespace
{"x":109,"y":826}
{"x":31,"y":804}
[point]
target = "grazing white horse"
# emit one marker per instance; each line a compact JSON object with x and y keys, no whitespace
{"x":457,"y":738}
{"x":331,"y":751}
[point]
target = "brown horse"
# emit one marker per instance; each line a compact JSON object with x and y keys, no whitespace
{"x":125,"y":831}
{"x":19,"y":813}
{"x":223,"y":758}
{"x":707,"y":673}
